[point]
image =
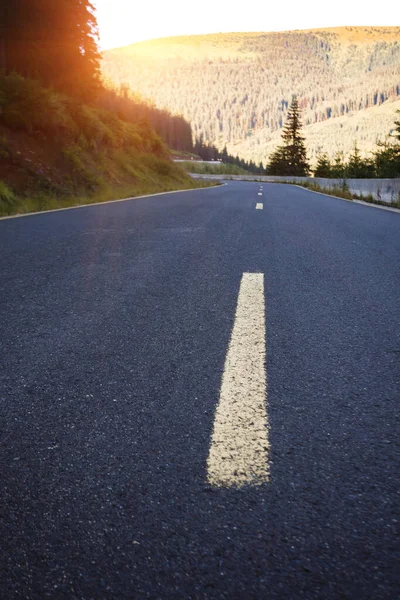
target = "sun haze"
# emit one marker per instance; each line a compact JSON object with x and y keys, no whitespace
{"x":123,"y":22}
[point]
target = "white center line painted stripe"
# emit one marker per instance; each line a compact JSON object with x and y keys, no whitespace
{"x":259,"y":206}
{"x":239,"y":444}
{"x":260,"y":193}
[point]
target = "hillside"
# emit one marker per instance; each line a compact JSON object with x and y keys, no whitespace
{"x":236,"y":88}
{"x":338,"y":134}
{"x":56,"y":152}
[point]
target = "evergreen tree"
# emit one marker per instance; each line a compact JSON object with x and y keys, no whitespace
{"x":387,"y":156}
{"x":387,"y":160}
{"x":359,"y":168}
{"x":278,"y":163}
{"x":55,"y":42}
{"x":354,"y":167}
{"x":338,"y":169}
{"x":323,"y":168}
{"x":396,"y":133}
{"x":291,"y":157}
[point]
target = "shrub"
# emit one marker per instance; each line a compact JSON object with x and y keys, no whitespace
{"x":160,"y":166}
{"x":7,"y":197}
{"x":77,"y":159}
{"x":93,"y":132}
{"x":4,"y":147}
{"x":28,"y":106}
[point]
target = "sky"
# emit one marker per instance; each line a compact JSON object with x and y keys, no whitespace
{"x":123,"y":22}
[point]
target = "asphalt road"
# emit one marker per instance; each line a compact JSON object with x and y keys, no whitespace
{"x":115,"y":325}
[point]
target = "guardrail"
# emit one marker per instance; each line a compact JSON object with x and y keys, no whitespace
{"x":386,"y":190}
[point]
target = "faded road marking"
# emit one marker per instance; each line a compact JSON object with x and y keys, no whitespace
{"x":239,"y":444}
{"x":259,"y":206}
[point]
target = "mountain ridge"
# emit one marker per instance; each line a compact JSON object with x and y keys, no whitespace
{"x":235,"y":89}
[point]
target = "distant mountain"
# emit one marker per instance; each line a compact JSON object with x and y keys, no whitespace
{"x":235,"y":88}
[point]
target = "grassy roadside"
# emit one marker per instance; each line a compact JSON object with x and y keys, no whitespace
{"x":11,"y":205}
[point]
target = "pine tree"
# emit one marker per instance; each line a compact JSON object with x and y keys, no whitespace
{"x":338,"y":169}
{"x":387,"y":155}
{"x":291,"y":157}
{"x":396,"y":133}
{"x":387,"y":161}
{"x":278,"y":163}
{"x":55,"y":42}
{"x":323,"y":168}
{"x":224,"y":154}
{"x":359,"y":168}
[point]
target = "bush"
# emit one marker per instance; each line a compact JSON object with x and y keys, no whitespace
{"x":160,"y":166}
{"x":26,"y":105}
{"x":7,"y":198}
{"x":93,"y":131}
{"x":4,"y":147}
{"x":77,"y":159}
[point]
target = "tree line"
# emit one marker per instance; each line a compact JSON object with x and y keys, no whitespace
{"x":173,"y":129}
{"x":210,"y":152}
{"x":290,"y":158}
{"x":384,"y":162}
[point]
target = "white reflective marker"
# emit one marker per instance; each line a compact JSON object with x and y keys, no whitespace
{"x":259,"y":206}
{"x":239,"y":444}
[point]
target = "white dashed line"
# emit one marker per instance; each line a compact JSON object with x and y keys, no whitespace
{"x":259,"y":206}
{"x":239,"y":445}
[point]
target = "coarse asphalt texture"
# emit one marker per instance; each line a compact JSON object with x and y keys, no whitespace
{"x":115,"y":323}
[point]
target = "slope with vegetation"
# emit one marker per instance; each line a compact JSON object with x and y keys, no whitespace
{"x":56,"y":151}
{"x":236,"y":89}
{"x":65,"y":138}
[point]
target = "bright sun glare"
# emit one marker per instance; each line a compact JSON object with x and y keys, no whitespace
{"x":123,"y":22}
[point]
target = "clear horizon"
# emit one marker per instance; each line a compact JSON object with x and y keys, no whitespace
{"x":121,"y":23}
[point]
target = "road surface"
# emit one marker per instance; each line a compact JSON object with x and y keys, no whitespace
{"x":199,"y":398}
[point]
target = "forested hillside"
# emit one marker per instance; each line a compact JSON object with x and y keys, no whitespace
{"x":236,"y":88}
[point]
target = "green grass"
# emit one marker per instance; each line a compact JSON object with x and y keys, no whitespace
{"x":212,"y":169}
{"x":336,"y":190}
{"x":45,"y":201}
